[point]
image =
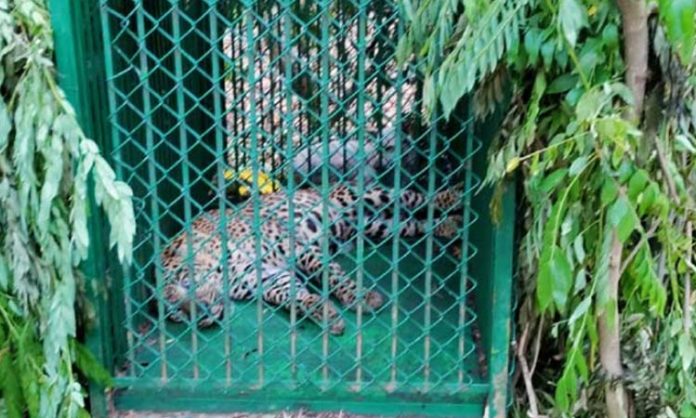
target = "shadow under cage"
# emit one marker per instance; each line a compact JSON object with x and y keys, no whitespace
{"x":256,"y":133}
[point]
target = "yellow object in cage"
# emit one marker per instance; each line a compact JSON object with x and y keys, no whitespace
{"x":246,"y":177}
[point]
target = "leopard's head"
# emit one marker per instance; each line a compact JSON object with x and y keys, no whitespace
{"x":178,"y":293}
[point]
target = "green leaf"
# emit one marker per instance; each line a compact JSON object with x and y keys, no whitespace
{"x":610,"y":36}
{"x":5,"y":126}
{"x":590,"y":57}
{"x":678,"y":18}
{"x":530,"y":122}
{"x":637,"y":184}
{"x":686,"y":351}
{"x":563,"y":84}
{"x":589,"y":105}
{"x":687,"y":410}
{"x":532,"y":44}
{"x":547,"y":50}
{"x":429,"y":96}
{"x":617,"y":156}
{"x":90,"y":366}
{"x":622,"y":217}
{"x":562,"y":274}
{"x":581,"y":365}
{"x":553,"y":180}
{"x":580,"y":281}
{"x":683,"y":143}
{"x":403,"y":50}
{"x":512,"y":165}
{"x":580,"y":310}
{"x":567,"y":386}
{"x":409,"y":9}
{"x":578,"y":165}
{"x":31,"y":352}
{"x":572,"y":17}
{"x":609,"y":192}
{"x":601,"y":275}
{"x":573,"y":96}
{"x":579,"y":248}
{"x":4,"y":273}
{"x":662,"y":205}
{"x":544,"y":286}
{"x":647,"y":198}
{"x":9,"y":382}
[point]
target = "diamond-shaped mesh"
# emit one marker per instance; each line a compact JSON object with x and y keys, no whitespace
{"x":197,"y":87}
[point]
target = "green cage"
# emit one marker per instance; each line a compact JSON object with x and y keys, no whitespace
{"x":183,"y":97}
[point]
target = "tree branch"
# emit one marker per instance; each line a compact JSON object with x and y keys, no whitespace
{"x":635,"y":250}
{"x":526,"y":375}
{"x":610,"y":338}
{"x":687,"y":283}
{"x":537,"y":346}
{"x":664,"y":166}
{"x":634,"y":15}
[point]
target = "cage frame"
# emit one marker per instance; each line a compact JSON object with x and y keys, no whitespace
{"x":81,"y":72}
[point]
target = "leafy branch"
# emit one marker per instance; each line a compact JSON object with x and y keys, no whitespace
{"x":456,"y":56}
{"x":47,"y":167}
{"x":604,"y":140}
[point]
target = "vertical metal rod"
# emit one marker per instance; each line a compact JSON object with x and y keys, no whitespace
{"x":397,"y":207}
{"x":263,"y":96}
{"x":116,"y":146}
{"x":184,"y":151}
{"x":342,"y":58}
{"x":427,"y":319}
{"x":275,"y":56}
{"x":325,"y":153}
{"x":379,"y":64}
{"x":305,"y":86}
{"x":464,"y":242}
{"x":255,"y":193}
{"x":237,"y":62}
{"x":361,"y":192}
{"x":234,"y":81}
{"x":227,"y":85}
{"x":220,"y":153}
{"x":152,"y":186}
{"x":288,"y":121}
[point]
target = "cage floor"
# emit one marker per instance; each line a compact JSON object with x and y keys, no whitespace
{"x":412,"y":342}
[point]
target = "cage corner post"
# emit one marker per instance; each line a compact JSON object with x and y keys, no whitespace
{"x":72,"y":32}
{"x":502,"y":274}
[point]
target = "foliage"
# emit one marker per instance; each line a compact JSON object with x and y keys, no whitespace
{"x":592,"y":178}
{"x":479,"y":36}
{"x":47,"y":167}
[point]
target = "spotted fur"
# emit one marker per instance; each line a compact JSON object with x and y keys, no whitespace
{"x":266,"y":257}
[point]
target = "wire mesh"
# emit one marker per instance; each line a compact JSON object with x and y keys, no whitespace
{"x":309,"y":94}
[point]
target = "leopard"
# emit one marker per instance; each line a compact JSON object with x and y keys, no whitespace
{"x":227,"y":254}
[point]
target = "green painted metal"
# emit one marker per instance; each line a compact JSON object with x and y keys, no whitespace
{"x":177,"y":93}
{"x":81,"y":76}
{"x":172,"y":400}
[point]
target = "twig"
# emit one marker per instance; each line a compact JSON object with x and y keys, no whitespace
{"x":526,"y":375}
{"x":537,"y":346}
{"x":687,"y":284}
{"x":662,"y":159}
{"x":634,"y":252}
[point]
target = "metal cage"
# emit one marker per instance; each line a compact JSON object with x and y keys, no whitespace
{"x":185,"y":95}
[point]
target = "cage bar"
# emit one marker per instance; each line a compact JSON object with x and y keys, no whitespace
{"x":197,"y":88}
